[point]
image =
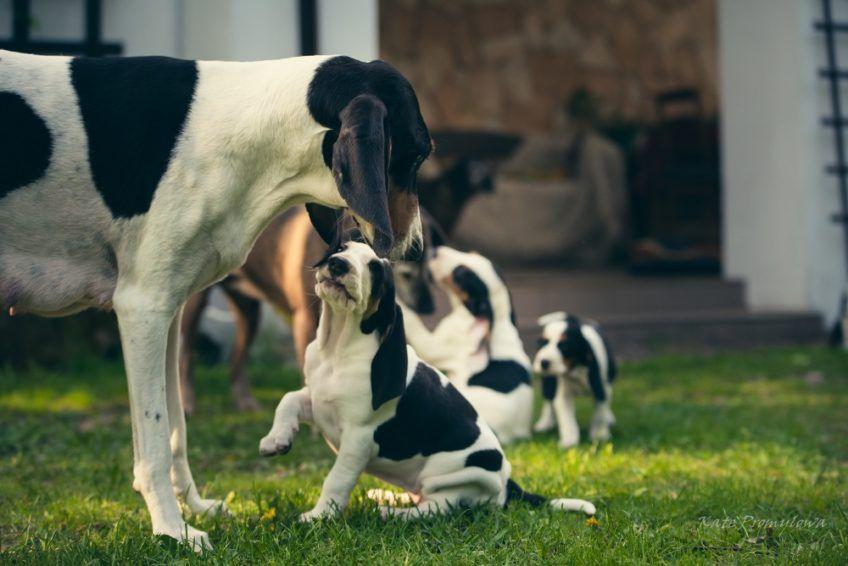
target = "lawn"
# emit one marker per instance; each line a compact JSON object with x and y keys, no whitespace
{"x":740,"y":457}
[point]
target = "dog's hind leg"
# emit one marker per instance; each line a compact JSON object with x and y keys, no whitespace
{"x":192,"y":312}
{"x":181,"y":477}
{"x":247,"y":313}
{"x":145,"y":323}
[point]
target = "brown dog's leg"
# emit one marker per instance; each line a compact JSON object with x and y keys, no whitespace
{"x":247,"y":312}
{"x":188,"y":329}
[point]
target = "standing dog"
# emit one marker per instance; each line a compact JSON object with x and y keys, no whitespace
{"x":477,"y":344}
{"x":384,"y":411}
{"x":131,"y":183}
{"x":567,"y":346}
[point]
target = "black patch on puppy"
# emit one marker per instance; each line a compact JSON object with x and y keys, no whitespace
{"x":574,"y":348}
{"x":25,"y":143}
{"x":477,"y":294}
{"x":549,"y":387}
{"x":133,"y":110}
{"x":501,"y":375}
{"x":430,"y":418}
{"x":491,"y":460}
{"x":388,"y":368}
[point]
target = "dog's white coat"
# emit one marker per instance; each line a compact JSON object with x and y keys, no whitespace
{"x":248,"y":150}
{"x":337,"y":400}
{"x":455,"y":345}
{"x":572,"y":381}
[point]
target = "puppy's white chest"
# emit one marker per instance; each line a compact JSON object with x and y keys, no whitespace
{"x":338,"y":399}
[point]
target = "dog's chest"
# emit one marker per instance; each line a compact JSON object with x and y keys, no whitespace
{"x":339,"y":398}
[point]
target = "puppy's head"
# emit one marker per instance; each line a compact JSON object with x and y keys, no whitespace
{"x":561,"y":344}
{"x":351,"y":277}
{"x":472,"y":280}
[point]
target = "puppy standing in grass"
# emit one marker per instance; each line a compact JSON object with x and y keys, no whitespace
{"x":383,"y":410}
{"x":567,"y":346}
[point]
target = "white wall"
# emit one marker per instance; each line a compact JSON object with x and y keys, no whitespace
{"x":243,"y":30}
{"x":777,"y":199}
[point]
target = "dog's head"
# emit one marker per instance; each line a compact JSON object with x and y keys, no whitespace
{"x":353,"y":279}
{"x":375,"y":144}
{"x":472,"y":280}
{"x":561,"y":344}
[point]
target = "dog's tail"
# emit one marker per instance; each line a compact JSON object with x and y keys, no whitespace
{"x":515,"y":493}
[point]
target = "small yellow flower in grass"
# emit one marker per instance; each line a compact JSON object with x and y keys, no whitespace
{"x":269,"y":514}
{"x":593,"y":522}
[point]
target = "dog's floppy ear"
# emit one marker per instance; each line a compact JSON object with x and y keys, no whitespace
{"x":477,"y":294}
{"x":360,"y":166}
{"x":593,"y":356}
{"x":327,"y":222}
{"x":388,"y":368}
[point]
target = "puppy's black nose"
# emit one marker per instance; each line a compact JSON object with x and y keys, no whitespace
{"x":546,"y":365}
{"x":337,"y":266}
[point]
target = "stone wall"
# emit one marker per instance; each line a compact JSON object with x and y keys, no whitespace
{"x":510,"y":64}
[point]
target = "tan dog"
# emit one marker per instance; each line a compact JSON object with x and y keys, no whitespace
{"x":277,"y":271}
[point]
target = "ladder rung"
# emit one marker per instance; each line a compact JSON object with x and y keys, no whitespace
{"x":830,"y":121}
{"x":835,"y":26}
{"x":839,"y":73}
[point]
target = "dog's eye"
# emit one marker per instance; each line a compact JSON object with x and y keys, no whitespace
{"x":541,"y":342}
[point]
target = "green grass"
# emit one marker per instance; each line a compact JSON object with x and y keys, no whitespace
{"x":737,"y":458}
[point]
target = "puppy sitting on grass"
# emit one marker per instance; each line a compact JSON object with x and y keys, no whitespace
{"x":383,"y":410}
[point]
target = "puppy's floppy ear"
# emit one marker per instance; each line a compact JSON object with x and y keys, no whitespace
{"x":327,"y":222}
{"x":477,"y":294}
{"x":546,"y":319}
{"x":360,"y":166}
{"x":388,"y":368}
{"x":593,"y":356}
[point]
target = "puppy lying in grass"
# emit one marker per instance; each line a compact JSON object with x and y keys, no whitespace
{"x":383,"y":410}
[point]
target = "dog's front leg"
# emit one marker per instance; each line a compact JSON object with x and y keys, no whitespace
{"x":145,"y":321}
{"x":295,"y":407}
{"x":355,"y":450}
{"x":181,"y":477}
{"x":564,"y":408}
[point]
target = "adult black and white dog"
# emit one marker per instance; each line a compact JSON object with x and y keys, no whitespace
{"x":573,"y":357}
{"x":383,"y":410}
{"x":129,"y":183}
{"x":477,"y":343}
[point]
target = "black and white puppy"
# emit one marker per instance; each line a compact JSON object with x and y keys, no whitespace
{"x":477,"y":343}
{"x":132,"y":183}
{"x":383,"y":410}
{"x":574,"y":357}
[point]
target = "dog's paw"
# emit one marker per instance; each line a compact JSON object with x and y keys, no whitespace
{"x":274,"y":444}
{"x":183,"y":532}
{"x":544,"y":426}
{"x":567,"y":443}
{"x":208,"y":507}
{"x":599,"y":434}
{"x":316,"y":514}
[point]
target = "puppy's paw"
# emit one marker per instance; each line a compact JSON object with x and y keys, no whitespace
{"x":316,"y":514}
{"x":599,"y":434}
{"x":276,"y":443}
{"x":567,"y":443}
{"x":544,"y":425}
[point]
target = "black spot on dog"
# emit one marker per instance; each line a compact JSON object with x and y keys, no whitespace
{"x":388,"y":368}
{"x":477,"y":294}
{"x":491,"y":460}
{"x":501,"y":375}
{"x":576,"y":349}
{"x":133,"y":110}
{"x":158,"y":417}
{"x":549,"y":387}
{"x":430,"y":418}
{"x":25,"y":144}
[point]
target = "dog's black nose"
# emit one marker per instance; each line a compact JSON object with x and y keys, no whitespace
{"x":546,"y":365}
{"x":337,"y":266}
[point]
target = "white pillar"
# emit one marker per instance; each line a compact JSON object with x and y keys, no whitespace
{"x":777,"y":200}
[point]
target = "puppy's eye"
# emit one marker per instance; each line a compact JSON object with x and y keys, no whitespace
{"x":541,"y":342}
